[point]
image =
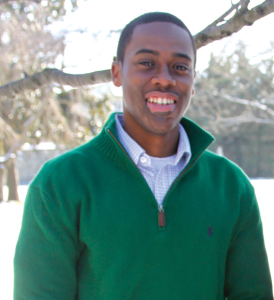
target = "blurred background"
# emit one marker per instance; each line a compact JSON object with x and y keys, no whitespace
{"x":234,"y":92}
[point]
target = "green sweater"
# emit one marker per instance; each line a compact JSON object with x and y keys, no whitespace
{"x":90,"y":229}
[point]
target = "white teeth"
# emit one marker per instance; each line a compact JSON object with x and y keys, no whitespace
{"x":161,"y":101}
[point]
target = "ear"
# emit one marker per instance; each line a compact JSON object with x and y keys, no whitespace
{"x":116,"y":70}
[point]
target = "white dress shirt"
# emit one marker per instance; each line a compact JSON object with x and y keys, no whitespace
{"x":159,"y":173}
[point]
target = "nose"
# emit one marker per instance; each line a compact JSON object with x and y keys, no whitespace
{"x":163,"y":78}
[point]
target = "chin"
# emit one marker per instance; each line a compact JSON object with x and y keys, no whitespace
{"x":160,"y":129}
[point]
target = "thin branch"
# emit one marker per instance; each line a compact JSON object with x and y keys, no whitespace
{"x":255,"y":103}
{"x":5,"y":159}
{"x":22,"y":1}
{"x":244,"y":4}
{"x":222,"y":18}
{"x":7,"y":129}
{"x":244,"y":119}
{"x":241,"y":18}
{"x":27,"y":125}
{"x":58,"y":114}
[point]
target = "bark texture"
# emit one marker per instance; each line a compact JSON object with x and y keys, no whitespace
{"x":12,"y":181}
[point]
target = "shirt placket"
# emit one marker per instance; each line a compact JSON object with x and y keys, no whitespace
{"x":161,"y":184}
{"x":148,"y":171}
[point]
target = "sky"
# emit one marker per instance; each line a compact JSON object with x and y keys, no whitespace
{"x":94,"y":49}
{"x":102,"y":16}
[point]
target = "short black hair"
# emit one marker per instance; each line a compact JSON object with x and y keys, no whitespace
{"x":127,"y":32}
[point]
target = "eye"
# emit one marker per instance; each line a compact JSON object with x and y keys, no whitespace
{"x":180,"y":67}
{"x":146,"y":63}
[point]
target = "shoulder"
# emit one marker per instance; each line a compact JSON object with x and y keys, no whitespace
{"x":68,"y":168}
{"x":226,"y":172}
{"x":71,"y":157}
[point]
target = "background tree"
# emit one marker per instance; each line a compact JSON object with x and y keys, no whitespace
{"x":27,"y":46}
{"x":234,"y":100}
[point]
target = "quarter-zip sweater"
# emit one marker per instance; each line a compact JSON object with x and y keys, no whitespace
{"x":90,"y":229}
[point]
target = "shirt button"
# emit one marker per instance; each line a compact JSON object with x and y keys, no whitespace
{"x":143,"y":160}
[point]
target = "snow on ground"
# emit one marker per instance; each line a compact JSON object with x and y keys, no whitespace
{"x":265,"y":195}
{"x":11,"y":216}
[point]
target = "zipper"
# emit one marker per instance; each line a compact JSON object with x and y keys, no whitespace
{"x":119,"y":144}
{"x":161,"y":212}
{"x":161,"y":216}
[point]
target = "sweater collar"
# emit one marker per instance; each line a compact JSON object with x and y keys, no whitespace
{"x":135,"y":151}
{"x":108,"y":142}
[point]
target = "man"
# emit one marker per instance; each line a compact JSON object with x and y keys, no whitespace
{"x":144,"y":211}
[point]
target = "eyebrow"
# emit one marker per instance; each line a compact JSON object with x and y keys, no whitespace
{"x":182,"y":55}
{"x":156,"y":53}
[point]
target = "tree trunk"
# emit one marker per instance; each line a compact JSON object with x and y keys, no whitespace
{"x":2,"y":172}
{"x":12,"y":180}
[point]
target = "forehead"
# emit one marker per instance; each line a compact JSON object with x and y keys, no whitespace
{"x":161,"y":36}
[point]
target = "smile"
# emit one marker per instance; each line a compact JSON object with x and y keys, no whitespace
{"x":160,"y":105}
{"x":160,"y":101}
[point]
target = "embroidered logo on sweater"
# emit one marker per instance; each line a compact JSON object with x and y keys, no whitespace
{"x":209,"y":231}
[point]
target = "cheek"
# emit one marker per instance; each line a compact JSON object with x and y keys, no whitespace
{"x":186,"y":83}
{"x":135,"y":77}
{"x":186,"y":90}
{"x":134,"y":87}
{"x":133,"y":96}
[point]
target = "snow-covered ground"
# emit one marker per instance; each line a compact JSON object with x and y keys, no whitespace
{"x":11,"y":216}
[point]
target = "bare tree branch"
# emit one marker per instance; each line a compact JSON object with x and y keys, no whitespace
{"x":10,"y":1}
{"x":244,"y":5}
{"x":242,"y":17}
{"x":47,"y":76}
{"x":58,"y":114}
{"x":254,"y":103}
{"x":27,"y":125}
{"x":221,"y":18}
{"x":7,"y":130}
{"x":4,"y":160}
{"x":244,"y":119}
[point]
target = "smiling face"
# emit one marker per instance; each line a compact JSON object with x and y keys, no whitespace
{"x":157,"y":77}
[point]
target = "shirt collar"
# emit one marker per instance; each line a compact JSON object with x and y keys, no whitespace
{"x":135,"y":151}
{"x":183,"y":146}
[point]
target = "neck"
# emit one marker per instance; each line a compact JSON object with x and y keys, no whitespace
{"x":156,"y":145}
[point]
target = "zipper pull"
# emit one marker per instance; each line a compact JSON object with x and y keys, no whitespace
{"x":161,"y":216}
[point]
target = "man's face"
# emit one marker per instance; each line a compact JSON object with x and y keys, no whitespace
{"x":157,"y":77}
